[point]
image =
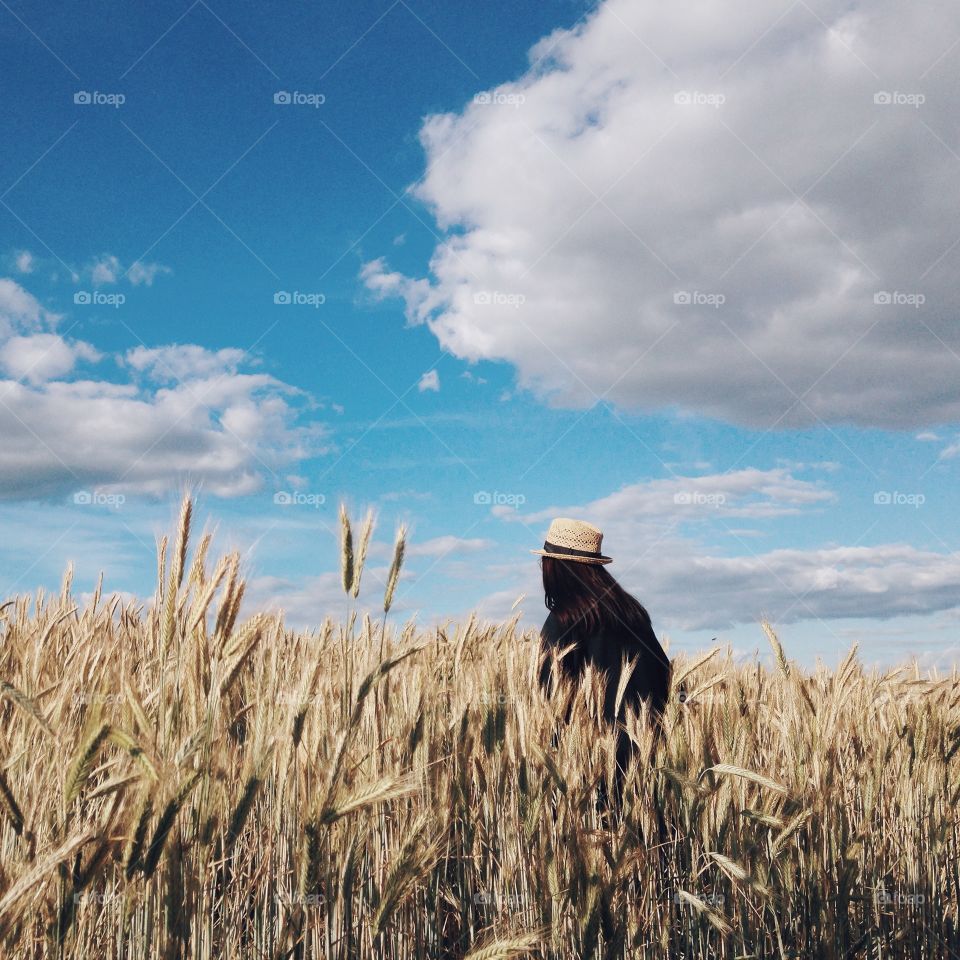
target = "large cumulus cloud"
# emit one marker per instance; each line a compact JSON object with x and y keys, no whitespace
{"x":778,"y":160}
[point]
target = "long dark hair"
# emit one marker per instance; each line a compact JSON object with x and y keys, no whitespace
{"x":585,"y":598}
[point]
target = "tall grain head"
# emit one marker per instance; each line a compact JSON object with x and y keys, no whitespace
{"x":369,"y":521}
{"x":346,"y":550}
{"x":399,"y":548}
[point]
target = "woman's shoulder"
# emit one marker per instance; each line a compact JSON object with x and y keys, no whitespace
{"x":551,"y":628}
{"x":635,"y":639}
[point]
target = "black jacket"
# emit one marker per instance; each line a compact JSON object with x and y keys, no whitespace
{"x":605,"y":650}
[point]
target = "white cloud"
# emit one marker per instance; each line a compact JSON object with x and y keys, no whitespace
{"x":927,"y":436}
{"x":225,"y":432}
{"x":751,"y":493}
{"x":43,"y":356}
{"x":448,"y":546}
{"x":145,"y":273}
{"x":24,"y":261}
{"x":20,"y":311}
{"x":582,"y":198}
{"x":660,"y":555}
{"x":107,"y":269}
{"x":429,"y":381}
{"x":193,"y":415}
{"x":789,"y":585}
{"x":306,"y":601}
{"x":184,"y":361}
{"x":383,"y":283}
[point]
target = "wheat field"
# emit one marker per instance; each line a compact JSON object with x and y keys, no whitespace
{"x":181,"y":778}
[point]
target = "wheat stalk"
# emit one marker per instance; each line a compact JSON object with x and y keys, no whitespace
{"x":346,"y":551}
{"x":366,"y":532}
{"x":393,"y":575}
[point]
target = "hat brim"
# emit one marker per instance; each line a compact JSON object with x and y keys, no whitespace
{"x":567,"y":556}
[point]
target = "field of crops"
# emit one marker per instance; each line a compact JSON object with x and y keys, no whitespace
{"x":187,"y":778}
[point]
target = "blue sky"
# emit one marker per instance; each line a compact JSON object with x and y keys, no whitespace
{"x":477,"y":267}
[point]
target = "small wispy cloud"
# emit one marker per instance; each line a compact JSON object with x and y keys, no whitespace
{"x":105,"y":271}
{"x":108,"y":269}
{"x":950,"y":451}
{"x":145,"y":273}
{"x":429,"y":381}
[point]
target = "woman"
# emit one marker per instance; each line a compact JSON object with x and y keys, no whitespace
{"x":605,"y":625}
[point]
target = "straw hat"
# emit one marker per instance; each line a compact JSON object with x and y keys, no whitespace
{"x":573,"y":540}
